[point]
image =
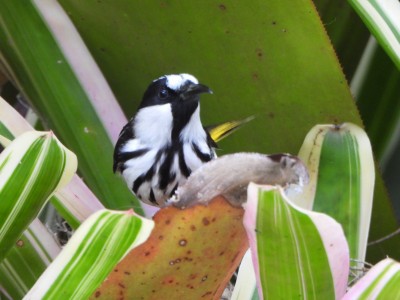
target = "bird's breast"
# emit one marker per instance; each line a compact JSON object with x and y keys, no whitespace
{"x":155,"y":174}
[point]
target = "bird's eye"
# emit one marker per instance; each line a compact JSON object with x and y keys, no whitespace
{"x":163,"y":94}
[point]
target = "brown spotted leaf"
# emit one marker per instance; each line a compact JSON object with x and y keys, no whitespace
{"x":191,"y":254}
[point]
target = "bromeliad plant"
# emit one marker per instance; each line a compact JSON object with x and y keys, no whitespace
{"x":295,"y":251}
{"x":72,"y":97}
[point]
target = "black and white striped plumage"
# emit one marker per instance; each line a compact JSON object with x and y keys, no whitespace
{"x":165,"y":141}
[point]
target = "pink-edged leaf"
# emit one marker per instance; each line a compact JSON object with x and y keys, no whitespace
{"x":381,"y":282}
{"x":296,"y":252}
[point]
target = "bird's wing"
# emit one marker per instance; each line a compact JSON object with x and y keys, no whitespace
{"x":220,"y":131}
{"x":127,"y":133}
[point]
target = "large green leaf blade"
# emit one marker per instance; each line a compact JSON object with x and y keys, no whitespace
{"x":297,"y":253}
{"x":32,"y":167}
{"x":95,"y":248}
{"x":271,"y":59}
{"x":252,"y":69}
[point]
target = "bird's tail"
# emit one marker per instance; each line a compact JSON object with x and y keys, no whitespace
{"x":222,"y":130}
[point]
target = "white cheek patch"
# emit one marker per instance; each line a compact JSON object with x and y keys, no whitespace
{"x":153,"y":125}
{"x":174,"y":82}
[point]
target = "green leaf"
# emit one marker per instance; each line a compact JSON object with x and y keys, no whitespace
{"x":342,"y":176}
{"x":346,"y":31}
{"x":382,"y":19}
{"x":252,"y":69}
{"x":378,"y":92}
{"x":297,"y":253}
{"x":32,"y":167}
{"x":5,"y":132}
{"x":271,"y":59}
{"x":91,"y":254}
{"x":27,"y":260}
{"x":381,"y":282}
{"x":46,"y":77}
{"x":75,"y":202}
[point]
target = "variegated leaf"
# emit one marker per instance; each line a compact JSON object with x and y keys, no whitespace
{"x":382,"y":18}
{"x":32,"y":167}
{"x":342,"y":176}
{"x":95,"y":248}
{"x":75,"y":202}
{"x":381,"y":282}
{"x":296,"y":253}
{"x":27,"y":259}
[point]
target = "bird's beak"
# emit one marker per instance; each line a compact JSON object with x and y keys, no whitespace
{"x":193,"y":89}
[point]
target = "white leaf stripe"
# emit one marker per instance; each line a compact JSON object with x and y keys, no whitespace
{"x":31,"y":168}
{"x":99,"y":243}
{"x":26,"y":186}
{"x":75,"y":202}
{"x":381,"y":282}
{"x":42,"y":242}
{"x":382,"y":16}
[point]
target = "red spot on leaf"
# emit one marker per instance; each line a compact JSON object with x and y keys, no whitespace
{"x":121,"y":285}
{"x":206,"y":294}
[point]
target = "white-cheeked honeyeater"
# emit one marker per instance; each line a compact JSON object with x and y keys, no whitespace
{"x":165,"y":141}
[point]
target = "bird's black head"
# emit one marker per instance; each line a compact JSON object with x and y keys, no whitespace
{"x":179,"y":90}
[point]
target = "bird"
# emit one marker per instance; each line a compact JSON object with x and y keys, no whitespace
{"x":165,"y":141}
